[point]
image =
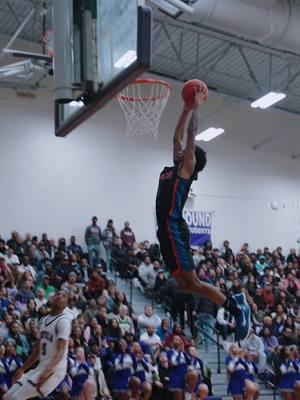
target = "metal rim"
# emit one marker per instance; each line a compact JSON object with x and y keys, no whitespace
{"x":149,"y":98}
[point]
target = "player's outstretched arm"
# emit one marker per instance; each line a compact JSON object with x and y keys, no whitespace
{"x":189,"y":159}
{"x":179,"y":135}
{"x":32,"y":359}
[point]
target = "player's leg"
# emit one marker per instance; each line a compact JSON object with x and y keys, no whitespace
{"x":23,"y":389}
{"x":189,"y":281}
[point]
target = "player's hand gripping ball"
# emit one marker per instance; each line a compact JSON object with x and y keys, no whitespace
{"x":194,"y":91}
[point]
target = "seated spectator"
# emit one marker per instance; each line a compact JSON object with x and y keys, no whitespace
{"x":72,"y":286}
{"x":72,"y":310}
{"x":151,"y":339}
{"x":147,"y":273}
{"x":96,"y":285}
{"x":163,"y":330}
{"x":225,"y":323}
{"x":20,"y":342}
{"x":120,"y":300}
{"x":287,"y":338}
{"x":176,"y":331}
{"x":91,"y":311}
{"x":268,"y":297}
{"x":113,"y":330}
{"x":11,"y":258}
{"x":148,"y":318}
{"x":270,"y":343}
{"x":25,"y":266}
{"x":24,"y":295}
{"x":255,"y":347}
{"x":49,"y":290}
{"x":124,"y":321}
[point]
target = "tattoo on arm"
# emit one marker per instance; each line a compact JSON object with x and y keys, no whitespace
{"x":194,"y":123}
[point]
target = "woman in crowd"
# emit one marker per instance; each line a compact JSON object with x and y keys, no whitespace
{"x":82,"y":383}
{"x":240,"y":384}
{"x":287,"y":372}
{"x":141,"y":368}
{"x":200,"y":389}
{"x":179,"y":361}
{"x":10,"y":362}
{"x":123,"y":382}
{"x":163,"y":330}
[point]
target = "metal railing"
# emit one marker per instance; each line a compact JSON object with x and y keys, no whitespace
{"x":216,"y":341}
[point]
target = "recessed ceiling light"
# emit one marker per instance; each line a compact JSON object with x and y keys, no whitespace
{"x":268,"y":100}
{"x":209,"y":134}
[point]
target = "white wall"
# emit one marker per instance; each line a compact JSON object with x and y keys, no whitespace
{"x":55,"y":185}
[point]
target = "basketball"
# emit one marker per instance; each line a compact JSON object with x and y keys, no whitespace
{"x":188,"y":90}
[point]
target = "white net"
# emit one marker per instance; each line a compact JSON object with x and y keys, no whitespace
{"x":143,"y":102}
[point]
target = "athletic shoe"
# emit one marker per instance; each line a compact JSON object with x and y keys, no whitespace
{"x":242,"y":320}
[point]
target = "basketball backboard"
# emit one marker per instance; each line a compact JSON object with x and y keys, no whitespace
{"x":99,"y":47}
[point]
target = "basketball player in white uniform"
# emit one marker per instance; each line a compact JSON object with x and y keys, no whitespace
{"x":51,"y":352}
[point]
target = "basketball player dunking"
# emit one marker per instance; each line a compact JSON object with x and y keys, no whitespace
{"x":51,"y":352}
{"x":173,"y":233}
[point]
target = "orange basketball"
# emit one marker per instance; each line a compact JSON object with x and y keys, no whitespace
{"x":188,"y":90}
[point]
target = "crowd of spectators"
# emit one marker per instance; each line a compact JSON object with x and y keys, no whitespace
{"x":115,"y":353}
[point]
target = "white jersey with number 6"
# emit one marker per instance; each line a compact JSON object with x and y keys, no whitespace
{"x":52,"y":328}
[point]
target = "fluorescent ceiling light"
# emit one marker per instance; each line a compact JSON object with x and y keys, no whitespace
{"x":128,"y":58}
{"x":209,"y":134}
{"x":166,"y":7}
{"x":268,"y":100}
{"x":76,"y":103}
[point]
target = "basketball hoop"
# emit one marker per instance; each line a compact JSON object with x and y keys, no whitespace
{"x":143,"y":102}
{"x":48,"y":43}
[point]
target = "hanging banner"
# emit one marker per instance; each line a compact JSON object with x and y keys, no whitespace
{"x":199,"y":223}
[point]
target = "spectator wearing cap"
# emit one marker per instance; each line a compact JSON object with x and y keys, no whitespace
{"x":127,"y":235}
{"x":75,"y":248}
{"x":108,"y":236}
{"x":49,"y":290}
{"x":261,"y":264}
{"x":93,"y":237}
